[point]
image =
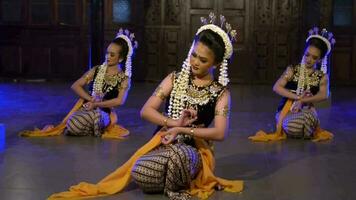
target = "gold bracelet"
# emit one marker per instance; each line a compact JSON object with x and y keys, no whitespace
{"x":191,"y":132}
{"x":165,"y":122}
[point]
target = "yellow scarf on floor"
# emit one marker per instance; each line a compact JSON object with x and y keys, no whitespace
{"x":279,"y":134}
{"x":112,"y":131}
{"x":203,"y":186}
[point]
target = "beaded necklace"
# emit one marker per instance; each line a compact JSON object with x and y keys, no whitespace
{"x":303,"y":80}
{"x":191,"y":96}
{"x":104,"y":83}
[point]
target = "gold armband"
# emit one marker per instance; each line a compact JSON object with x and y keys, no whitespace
{"x":87,"y":78}
{"x":223,"y":112}
{"x":159,"y":93}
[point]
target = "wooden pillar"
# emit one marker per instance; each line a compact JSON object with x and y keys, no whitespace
{"x":96,"y":26}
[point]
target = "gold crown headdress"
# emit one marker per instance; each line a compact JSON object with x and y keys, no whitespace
{"x":327,"y":38}
{"x":228,"y":36}
{"x":178,"y":98}
{"x":132,"y":45}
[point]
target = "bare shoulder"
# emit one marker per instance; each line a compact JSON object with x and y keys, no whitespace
{"x":224,"y":96}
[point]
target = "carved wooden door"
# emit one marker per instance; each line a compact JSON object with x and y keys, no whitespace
{"x":268,"y":34}
{"x":343,"y":23}
{"x":164,"y":37}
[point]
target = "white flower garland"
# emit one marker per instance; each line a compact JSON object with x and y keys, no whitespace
{"x":128,"y":64}
{"x":132,"y":45}
{"x":223,"y":79}
{"x":324,"y":65}
{"x":99,"y":82}
{"x":178,"y":93}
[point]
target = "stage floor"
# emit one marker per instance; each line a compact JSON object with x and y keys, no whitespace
{"x":34,"y":168}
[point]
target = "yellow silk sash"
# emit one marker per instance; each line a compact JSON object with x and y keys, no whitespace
{"x":262,"y":136}
{"x":112,"y":131}
{"x":203,"y":186}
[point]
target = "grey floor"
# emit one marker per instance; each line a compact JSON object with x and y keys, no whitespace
{"x":34,"y":168}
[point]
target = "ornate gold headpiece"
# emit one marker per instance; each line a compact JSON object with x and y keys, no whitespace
{"x":328,"y":39}
{"x":223,"y":29}
{"x":324,"y":35}
{"x":132,"y":45}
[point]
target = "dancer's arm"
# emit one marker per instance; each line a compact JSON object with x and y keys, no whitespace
{"x":279,"y":86}
{"x":78,"y":85}
{"x":150,"y":111}
{"x":120,"y":99}
{"x":217,"y":132}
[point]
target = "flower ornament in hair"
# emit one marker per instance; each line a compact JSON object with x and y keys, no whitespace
{"x":132,"y":45}
{"x":327,"y":38}
{"x":227,"y":34}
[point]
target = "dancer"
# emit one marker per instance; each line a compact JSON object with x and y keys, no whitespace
{"x":178,"y":161}
{"x":109,"y":84}
{"x":301,"y":86}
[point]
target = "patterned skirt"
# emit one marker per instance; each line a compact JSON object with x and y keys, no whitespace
{"x":84,"y":123}
{"x":301,"y":124}
{"x":168,"y":169}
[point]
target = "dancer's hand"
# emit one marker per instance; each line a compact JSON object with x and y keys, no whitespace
{"x":307,"y":93}
{"x":187,"y":117}
{"x":89,"y":105}
{"x":170,"y":135}
{"x":92,"y":99}
{"x":296,"y":106}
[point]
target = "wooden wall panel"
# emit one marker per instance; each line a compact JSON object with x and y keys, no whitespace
{"x":353,"y":66}
{"x":172,"y":11}
{"x":163,"y":37}
{"x":65,"y":62}
{"x":271,"y":35}
{"x":45,"y":46}
{"x":171,"y":45}
{"x":277,"y":27}
{"x":36,"y":61}
{"x":11,"y":59}
{"x":153,"y":12}
{"x":240,"y":63}
{"x":152,"y":58}
{"x":202,"y":4}
{"x":233,"y":5}
{"x":343,"y":60}
{"x":343,"y":57}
